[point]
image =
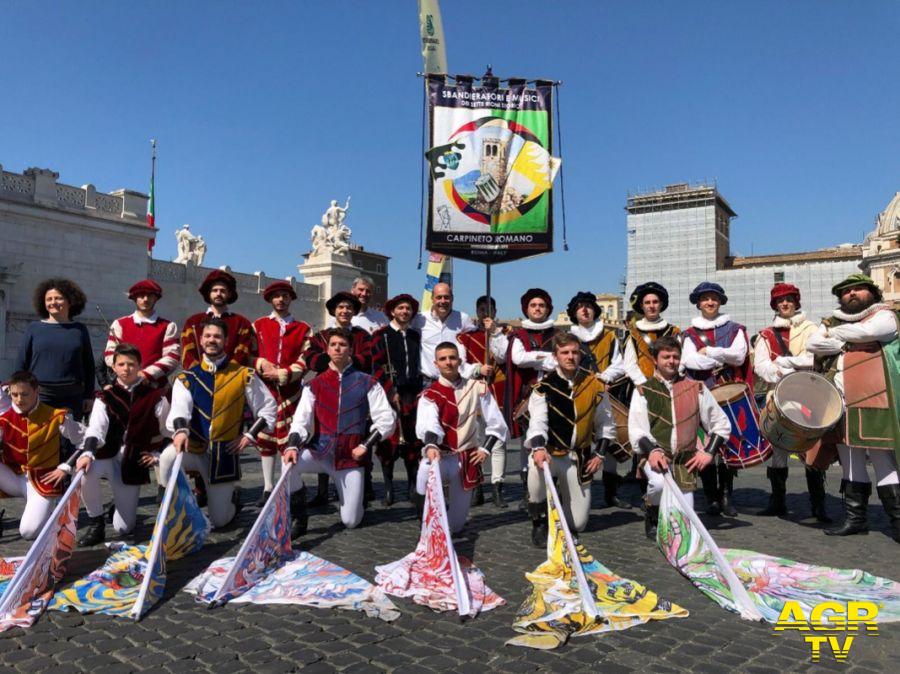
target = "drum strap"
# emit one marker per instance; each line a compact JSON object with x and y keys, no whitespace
{"x":785,"y":351}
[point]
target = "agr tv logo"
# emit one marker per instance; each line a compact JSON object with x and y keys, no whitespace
{"x":843,"y":620}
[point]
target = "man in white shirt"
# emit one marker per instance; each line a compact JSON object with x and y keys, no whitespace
{"x":442,"y":324}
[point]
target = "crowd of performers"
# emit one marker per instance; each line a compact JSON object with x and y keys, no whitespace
{"x":439,"y":386}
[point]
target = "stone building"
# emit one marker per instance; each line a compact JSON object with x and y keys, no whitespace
{"x":680,"y":236}
{"x":881,"y":251}
{"x":99,"y":241}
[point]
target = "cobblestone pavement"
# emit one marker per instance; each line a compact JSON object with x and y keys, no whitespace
{"x":179,"y":635}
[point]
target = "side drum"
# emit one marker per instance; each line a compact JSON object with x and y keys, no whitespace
{"x":746,"y":447}
{"x":803,"y":408}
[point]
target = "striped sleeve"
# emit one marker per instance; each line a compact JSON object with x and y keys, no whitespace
{"x":245,"y":348}
{"x":112,"y":339}
{"x":189,"y":352}
{"x":171,"y":352}
{"x":298,"y":368}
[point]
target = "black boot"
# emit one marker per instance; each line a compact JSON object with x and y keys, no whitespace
{"x":412,"y":470}
{"x":815,"y":483}
{"x":478,"y":495}
{"x":95,"y":532}
{"x":710,"y":480}
{"x":726,"y":490}
{"x":651,"y":520}
{"x":387,"y":471}
{"x":369,"y":493}
{"x":321,"y":497}
{"x":778,"y":480}
{"x":856,"y":503}
{"x":497,"y":488}
{"x":538,"y":513}
{"x":418,"y":501}
{"x":160,"y":492}
{"x":299,"y":515}
{"x":643,"y":486}
{"x":890,"y":501}
{"x":523,"y":474}
{"x":610,"y":487}
{"x":261,"y":501}
{"x":200,"y":491}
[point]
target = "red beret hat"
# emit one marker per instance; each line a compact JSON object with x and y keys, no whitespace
{"x":780,"y":290}
{"x":145,"y":287}
{"x":217,"y":276}
{"x":279,"y":287}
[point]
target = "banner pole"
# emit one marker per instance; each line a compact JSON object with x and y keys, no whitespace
{"x":487,"y":333}
{"x":587,"y":599}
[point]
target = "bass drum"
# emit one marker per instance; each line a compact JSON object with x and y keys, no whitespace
{"x":802,"y":409}
{"x":621,"y":448}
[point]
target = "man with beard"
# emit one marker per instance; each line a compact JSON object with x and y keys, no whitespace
{"x":155,"y":337}
{"x":328,"y":433}
{"x":716,"y":351}
{"x":665,"y":414}
{"x":780,"y":350}
{"x":599,"y":355}
{"x":367,"y":318}
{"x":857,"y":348}
{"x":206,"y":418}
{"x":474,"y":347}
{"x":570,"y":427}
{"x":458,"y":422}
{"x":219,"y":290}
{"x":281,"y":342}
{"x":395,"y":352}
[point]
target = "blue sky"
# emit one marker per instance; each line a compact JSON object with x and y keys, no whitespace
{"x":265,"y":111}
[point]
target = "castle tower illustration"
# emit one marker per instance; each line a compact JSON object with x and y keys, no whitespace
{"x":493,"y":168}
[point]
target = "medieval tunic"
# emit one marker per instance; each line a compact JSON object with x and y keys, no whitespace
{"x":210,"y":398}
{"x":156,"y":338}
{"x":238,"y":343}
{"x":726,"y":354}
{"x":852,"y":349}
{"x":30,"y":446}
{"x":396,"y":356}
{"x":530,"y":356}
{"x":330,"y":421}
{"x":126,"y":422}
{"x":568,"y":417}
{"x":669,"y":414}
{"x":473,"y":343}
{"x":780,"y":350}
{"x":316,"y":354}
{"x":639,"y":362}
{"x":457,"y":417}
{"x":281,"y":342}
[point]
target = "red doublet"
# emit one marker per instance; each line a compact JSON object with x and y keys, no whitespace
{"x":520,"y":380}
{"x":238,"y":343}
{"x":452,"y":418}
{"x":282,"y":345}
{"x":474,"y":343}
{"x":769,"y":334}
{"x":31,"y":444}
{"x":150,"y":339}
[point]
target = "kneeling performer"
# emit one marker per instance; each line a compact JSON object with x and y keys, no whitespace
{"x":570,"y":425}
{"x":665,"y":414}
{"x":459,"y":423}
{"x":327,"y":434}
{"x":205,"y":420}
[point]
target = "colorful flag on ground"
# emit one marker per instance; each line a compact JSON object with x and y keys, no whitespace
{"x":123,"y":586}
{"x":756,"y":585}
{"x":30,"y":587}
{"x":574,"y":595}
{"x":266,"y":571}
{"x":433,"y":575}
{"x":267,"y":544}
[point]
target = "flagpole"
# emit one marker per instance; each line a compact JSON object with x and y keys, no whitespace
{"x":584,"y":589}
{"x":151,"y":210}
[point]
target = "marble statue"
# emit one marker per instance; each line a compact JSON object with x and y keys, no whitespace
{"x":332,"y":236}
{"x":191,"y":248}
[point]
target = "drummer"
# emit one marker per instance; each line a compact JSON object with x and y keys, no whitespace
{"x":780,"y":350}
{"x":716,"y":351}
{"x":601,"y":356}
{"x":856,"y":347}
{"x":665,"y":414}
